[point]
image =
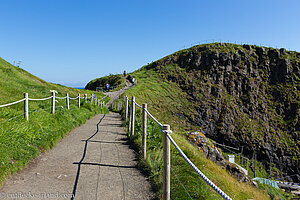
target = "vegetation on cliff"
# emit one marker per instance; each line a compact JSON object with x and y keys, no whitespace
{"x":113,"y":80}
{"x":241,"y":95}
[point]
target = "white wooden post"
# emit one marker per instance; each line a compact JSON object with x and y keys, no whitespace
{"x":53,"y":102}
{"x":144,"y":138}
{"x":167,"y":163}
{"x":92,"y":98}
{"x":78,"y":100}
{"x":26,"y":107}
{"x":126,"y":108}
{"x":132,"y":115}
{"x":95,"y":101}
{"x":68,"y":101}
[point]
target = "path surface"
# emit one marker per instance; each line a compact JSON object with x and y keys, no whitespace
{"x":93,"y":162}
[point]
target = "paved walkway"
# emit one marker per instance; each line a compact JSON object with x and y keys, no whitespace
{"x":93,"y":162}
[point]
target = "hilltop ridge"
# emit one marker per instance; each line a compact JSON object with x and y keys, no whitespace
{"x":244,"y":95}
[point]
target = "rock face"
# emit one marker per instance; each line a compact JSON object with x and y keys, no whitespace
{"x":243,"y":95}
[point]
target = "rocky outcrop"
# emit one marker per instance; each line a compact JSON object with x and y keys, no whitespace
{"x":244,"y":96}
{"x":199,"y":140}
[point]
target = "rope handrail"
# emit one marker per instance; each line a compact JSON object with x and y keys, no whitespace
{"x":160,"y":124}
{"x":9,"y":104}
{"x":60,"y":97}
{"x":138,"y":105}
{"x":40,"y":99}
{"x":73,"y":98}
{"x":209,"y":182}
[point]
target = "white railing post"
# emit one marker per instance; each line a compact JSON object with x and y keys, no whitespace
{"x":95,"y":101}
{"x":85,"y":98}
{"x":68,"y":101}
{"x":92,"y":98}
{"x":132,"y":115}
{"x":126,"y":108}
{"x":144,"y":138}
{"x":78,"y":100}
{"x":167,"y":162}
{"x":26,"y":107}
{"x":53,"y":102}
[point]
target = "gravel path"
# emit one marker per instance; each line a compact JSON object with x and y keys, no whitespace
{"x":93,"y":162}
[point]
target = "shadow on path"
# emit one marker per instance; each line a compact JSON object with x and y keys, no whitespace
{"x":82,"y":158}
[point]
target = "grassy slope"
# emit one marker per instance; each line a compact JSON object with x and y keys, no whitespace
{"x":162,"y":98}
{"x":22,"y":141}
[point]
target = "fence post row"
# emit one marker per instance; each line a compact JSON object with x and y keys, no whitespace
{"x":144,"y":137}
{"x":53,"y":102}
{"x":78,"y":100}
{"x":132,"y":115}
{"x":26,"y":107}
{"x":167,"y":162}
{"x":68,"y":101}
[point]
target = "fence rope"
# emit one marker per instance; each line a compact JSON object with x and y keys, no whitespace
{"x":209,"y":182}
{"x":60,"y":97}
{"x":40,"y":99}
{"x":73,"y":98}
{"x":9,"y":104}
{"x":181,"y":184}
{"x":160,"y":124}
{"x":138,"y":105}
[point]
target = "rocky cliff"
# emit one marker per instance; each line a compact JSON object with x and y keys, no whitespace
{"x":243,"y":95}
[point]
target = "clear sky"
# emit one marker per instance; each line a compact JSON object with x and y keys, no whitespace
{"x":73,"y":41}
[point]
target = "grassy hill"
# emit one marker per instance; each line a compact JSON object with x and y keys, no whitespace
{"x":242,"y":95}
{"x":21,"y":141}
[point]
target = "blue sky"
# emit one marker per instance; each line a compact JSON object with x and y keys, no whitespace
{"x":73,"y":41}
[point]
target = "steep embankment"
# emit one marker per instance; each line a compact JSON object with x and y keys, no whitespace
{"x":245,"y":96}
{"x":21,"y":141}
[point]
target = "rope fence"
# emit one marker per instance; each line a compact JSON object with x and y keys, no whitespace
{"x":13,"y":103}
{"x":98,"y":102}
{"x":40,"y":99}
{"x":167,"y":139}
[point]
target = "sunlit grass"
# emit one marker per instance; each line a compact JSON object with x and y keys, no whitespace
{"x":21,"y":141}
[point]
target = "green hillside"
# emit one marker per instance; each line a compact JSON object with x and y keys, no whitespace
{"x":21,"y":141}
{"x":242,"y":95}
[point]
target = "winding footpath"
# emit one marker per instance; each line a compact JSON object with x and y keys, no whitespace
{"x":93,"y":162}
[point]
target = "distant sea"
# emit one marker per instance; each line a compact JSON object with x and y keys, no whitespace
{"x":79,"y":87}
